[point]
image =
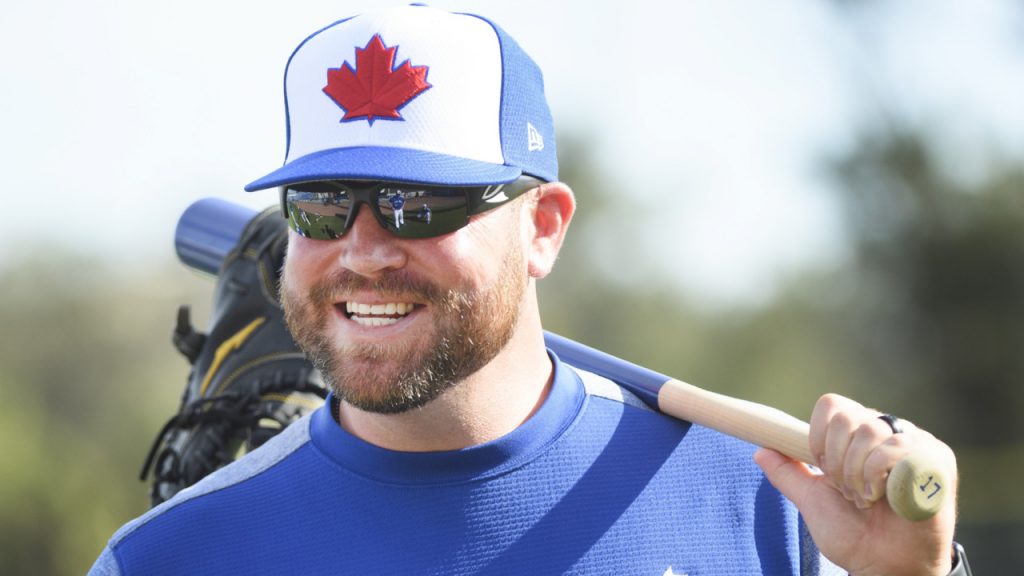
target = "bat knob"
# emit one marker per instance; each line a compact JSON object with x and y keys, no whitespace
{"x":916,"y":488}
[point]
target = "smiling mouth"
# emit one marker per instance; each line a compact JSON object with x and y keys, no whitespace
{"x":377,"y":314}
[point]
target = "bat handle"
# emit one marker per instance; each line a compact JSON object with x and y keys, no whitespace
{"x":916,"y":487}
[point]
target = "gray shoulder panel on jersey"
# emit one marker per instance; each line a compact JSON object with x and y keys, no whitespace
{"x":600,"y":386}
{"x":105,"y":565}
{"x":276,"y":449}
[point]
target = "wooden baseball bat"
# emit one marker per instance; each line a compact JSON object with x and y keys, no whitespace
{"x":915,"y":488}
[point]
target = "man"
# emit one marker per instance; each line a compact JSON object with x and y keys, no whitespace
{"x":454,"y":442}
{"x":397,"y":202}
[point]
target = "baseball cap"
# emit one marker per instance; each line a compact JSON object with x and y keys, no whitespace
{"x":414,"y":94}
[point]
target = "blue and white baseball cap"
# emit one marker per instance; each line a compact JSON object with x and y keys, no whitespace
{"x":414,"y":94}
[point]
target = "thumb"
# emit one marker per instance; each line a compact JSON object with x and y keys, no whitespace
{"x":790,"y":477}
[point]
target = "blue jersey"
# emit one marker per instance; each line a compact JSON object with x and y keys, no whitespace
{"x":593,"y":483}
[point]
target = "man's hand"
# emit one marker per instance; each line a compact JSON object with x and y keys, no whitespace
{"x":844,"y":506}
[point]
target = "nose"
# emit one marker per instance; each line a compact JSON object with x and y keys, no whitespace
{"x":368,"y":249}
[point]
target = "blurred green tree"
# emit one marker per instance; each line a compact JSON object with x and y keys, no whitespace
{"x":939,"y":285}
{"x":930,"y":310}
{"x":87,"y":374}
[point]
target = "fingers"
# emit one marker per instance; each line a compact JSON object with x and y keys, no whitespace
{"x":794,"y":480}
{"x":877,"y":464}
{"x":854,"y":448}
{"x":791,"y":478}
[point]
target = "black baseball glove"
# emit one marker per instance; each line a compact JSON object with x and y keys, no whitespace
{"x":248,"y":381}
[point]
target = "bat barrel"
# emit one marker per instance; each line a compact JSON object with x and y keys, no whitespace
{"x":208,"y":230}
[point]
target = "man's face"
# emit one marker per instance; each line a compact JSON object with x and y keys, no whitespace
{"x":393,"y":323}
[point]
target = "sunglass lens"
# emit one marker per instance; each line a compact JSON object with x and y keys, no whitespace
{"x":422,"y":213}
{"x":318,"y":215}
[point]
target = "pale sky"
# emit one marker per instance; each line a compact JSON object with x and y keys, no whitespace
{"x":726,"y":106}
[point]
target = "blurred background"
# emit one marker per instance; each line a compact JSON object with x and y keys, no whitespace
{"x":777,"y":199}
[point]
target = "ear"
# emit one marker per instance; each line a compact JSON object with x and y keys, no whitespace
{"x":552,"y":206}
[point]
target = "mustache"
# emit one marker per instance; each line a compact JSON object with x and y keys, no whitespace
{"x":398,"y":283}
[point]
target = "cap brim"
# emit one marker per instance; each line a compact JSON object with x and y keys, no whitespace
{"x":394,"y":164}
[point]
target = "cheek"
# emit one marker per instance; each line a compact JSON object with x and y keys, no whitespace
{"x":303,"y":260}
{"x":475,"y":253}
{"x":488,"y":253}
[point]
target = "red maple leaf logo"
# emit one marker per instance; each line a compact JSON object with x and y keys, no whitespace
{"x":375,"y":88}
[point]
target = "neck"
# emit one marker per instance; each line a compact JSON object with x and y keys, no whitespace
{"x":485,"y":406}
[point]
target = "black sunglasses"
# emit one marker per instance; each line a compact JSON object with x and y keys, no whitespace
{"x":325,"y":210}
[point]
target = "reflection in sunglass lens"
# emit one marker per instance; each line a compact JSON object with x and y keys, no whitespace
{"x":325,"y":210}
{"x":420,"y":213}
{"x":318,"y":215}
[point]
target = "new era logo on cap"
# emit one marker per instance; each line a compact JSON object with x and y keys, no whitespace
{"x":534,"y":139}
{"x":414,"y":94}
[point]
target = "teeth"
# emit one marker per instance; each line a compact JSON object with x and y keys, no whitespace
{"x":377,"y":314}
{"x":374,"y":320}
